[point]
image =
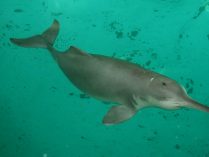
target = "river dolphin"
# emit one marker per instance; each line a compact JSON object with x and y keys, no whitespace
{"x":129,"y":85}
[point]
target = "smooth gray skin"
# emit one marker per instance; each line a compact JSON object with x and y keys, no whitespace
{"x":114,"y":80}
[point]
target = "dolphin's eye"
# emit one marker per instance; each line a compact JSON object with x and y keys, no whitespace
{"x":164,"y":84}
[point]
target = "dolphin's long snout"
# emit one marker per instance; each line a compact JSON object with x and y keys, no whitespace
{"x":196,"y":105}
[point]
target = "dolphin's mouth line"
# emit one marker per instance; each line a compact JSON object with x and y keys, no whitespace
{"x":172,"y":104}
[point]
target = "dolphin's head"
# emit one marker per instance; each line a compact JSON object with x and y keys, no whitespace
{"x":171,"y":95}
{"x":168,"y":92}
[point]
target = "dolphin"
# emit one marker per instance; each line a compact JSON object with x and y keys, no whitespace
{"x":129,"y":85}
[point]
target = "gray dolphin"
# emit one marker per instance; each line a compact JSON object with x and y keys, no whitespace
{"x":132,"y":87}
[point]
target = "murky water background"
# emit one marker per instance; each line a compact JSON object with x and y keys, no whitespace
{"x":43,"y":115}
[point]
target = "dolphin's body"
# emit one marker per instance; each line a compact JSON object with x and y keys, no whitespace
{"x":114,"y":80}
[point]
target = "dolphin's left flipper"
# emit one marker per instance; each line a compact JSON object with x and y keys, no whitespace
{"x":118,"y":114}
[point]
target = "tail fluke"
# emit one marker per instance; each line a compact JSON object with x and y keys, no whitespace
{"x":44,"y":40}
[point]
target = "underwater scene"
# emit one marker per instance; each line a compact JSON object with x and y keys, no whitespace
{"x":68,"y":87}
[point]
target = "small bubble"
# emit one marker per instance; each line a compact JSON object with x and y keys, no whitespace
{"x":45,"y":155}
{"x":190,"y":91}
{"x":140,"y":126}
{"x":180,"y":36}
{"x":154,"y":55}
{"x":177,"y":146}
{"x":148,"y":63}
{"x":119,"y":34}
{"x":187,"y":85}
{"x":18,"y":10}
{"x":155,"y":132}
{"x":71,"y":94}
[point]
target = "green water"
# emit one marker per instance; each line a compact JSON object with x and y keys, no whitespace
{"x":43,"y":115}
